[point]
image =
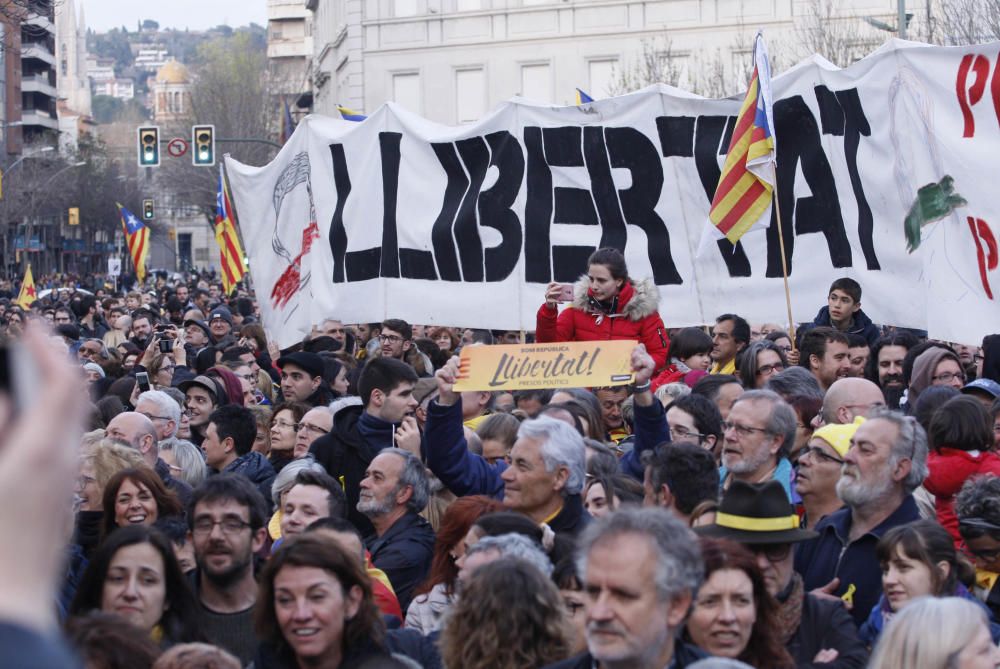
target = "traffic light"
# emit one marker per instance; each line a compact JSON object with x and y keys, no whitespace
{"x":149,"y":146}
{"x":203,"y":140}
{"x":147,"y":209}
{"x":74,"y":216}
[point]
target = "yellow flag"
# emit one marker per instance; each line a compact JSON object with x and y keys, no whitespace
{"x":28,"y":294}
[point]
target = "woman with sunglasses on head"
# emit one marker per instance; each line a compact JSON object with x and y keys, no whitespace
{"x":918,"y":560}
{"x":977,"y":507}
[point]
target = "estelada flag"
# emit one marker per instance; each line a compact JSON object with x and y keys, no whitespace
{"x":743,"y":197}
{"x":349,"y":114}
{"x":137,"y":238}
{"x":28,"y":293}
{"x":230,"y":251}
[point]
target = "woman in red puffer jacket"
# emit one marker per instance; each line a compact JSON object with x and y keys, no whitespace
{"x":606,"y":305}
{"x":960,"y":436}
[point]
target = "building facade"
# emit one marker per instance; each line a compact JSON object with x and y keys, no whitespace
{"x":453,"y":61}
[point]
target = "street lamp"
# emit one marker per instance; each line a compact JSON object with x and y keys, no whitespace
{"x":20,"y":160}
{"x":902,"y":21}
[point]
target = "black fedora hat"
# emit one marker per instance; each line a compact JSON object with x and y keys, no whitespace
{"x":756,"y":514}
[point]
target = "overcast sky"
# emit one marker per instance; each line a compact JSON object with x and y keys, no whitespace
{"x":102,"y":15}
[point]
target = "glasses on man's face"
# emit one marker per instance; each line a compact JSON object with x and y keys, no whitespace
{"x":681,"y":432}
{"x":819,"y":454}
{"x":309,"y":427}
{"x":205,"y":526}
{"x":742,"y":430}
{"x":773,"y":552}
{"x":948,"y":377}
{"x":390,"y":339}
{"x":152,"y":417}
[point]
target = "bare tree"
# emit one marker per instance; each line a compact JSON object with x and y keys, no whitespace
{"x":969,"y":21}
{"x":14,"y":13}
{"x":840,"y":38}
{"x":657,"y":62}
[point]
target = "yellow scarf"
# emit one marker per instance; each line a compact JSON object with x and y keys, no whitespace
{"x":730,"y":368}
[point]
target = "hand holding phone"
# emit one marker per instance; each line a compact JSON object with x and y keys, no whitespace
{"x":142,"y":381}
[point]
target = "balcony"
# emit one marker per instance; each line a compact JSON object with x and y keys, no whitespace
{"x":38,"y":51}
{"x":40,"y":23}
{"x":38,"y":83}
{"x":38,"y":117}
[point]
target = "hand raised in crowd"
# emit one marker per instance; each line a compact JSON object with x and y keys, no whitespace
{"x":446,"y":378}
{"x":180,"y":353}
{"x":272,"y":349}
{"x":792,"y":357}
{"x":38,"y":464}
{"x":408,"y":436}
{"x":643,"y":368}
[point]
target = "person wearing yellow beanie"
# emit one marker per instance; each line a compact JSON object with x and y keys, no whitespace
{"x":819,"y":470}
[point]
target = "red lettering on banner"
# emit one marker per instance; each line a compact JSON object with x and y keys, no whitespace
{"x":989,"y":258}
{"x":970,"y":93}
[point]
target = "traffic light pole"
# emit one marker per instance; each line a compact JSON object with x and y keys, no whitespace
{"x":236,"y":140}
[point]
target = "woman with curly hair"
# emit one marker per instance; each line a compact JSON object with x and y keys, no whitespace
{"x":510,"y":616}
{"x":733,"y":615}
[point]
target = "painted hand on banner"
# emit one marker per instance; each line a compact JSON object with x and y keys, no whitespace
{"x":408,"y":436}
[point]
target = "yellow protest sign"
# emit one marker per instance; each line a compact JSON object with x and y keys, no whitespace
{"x":576,"y":364}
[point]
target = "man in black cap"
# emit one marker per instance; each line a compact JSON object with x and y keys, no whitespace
{"x":220,"y":325}
{"x":759,"y":516}
{"x":196,"y":336}
{"x":302,"y":379}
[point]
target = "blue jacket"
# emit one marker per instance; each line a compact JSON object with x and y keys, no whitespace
{"x":448,"y":456}
{"x":404,"y":553}
{"x":783,"y":474}
{"x":650,"y":431}
{"x":862,"y":325}
{"x":830,"y":555}
{"x":881,"y":613}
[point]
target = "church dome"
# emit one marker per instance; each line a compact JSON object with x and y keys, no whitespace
{"x":173,"y":73}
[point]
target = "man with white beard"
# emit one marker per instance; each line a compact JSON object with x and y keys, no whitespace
{"x":886,"y":462}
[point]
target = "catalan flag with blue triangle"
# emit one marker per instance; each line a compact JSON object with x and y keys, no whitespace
{"x":582,"y":98}
{"x":743,"y":197}
{"x":349,"y":114}
{"x":137,"y":240}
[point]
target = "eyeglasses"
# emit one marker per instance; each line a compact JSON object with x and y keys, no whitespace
{"x":307,"y":427}
{"x":389,"y":339}
{"x":251,"y":377}
{"x":228,"y":525}
{"x":152,"y":417}
{"x":684,"y":433}
{"x":947,"y":377}
{"x":764,"y":370}
{"x":742,"y":430}
{"x":818,"y":452}
{"x":785,"y":349}
{"x":773,"y":552}
{"x":869,"y":406}
{"x":286,"y":425}
{"x":986,"y":554}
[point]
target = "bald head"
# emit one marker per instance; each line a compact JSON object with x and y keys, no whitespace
{"x":849,"y":398}
{"x":137,"y":431}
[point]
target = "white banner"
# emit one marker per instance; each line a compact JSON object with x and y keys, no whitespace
{"x":404,"y":218}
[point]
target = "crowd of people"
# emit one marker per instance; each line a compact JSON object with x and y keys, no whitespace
{"x":180,"y":493}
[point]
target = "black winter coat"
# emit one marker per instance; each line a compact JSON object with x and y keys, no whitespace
{"x":826,"y":624}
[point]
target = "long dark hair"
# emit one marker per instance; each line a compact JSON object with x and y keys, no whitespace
{"x":366,"y":628}
{"x":927,"y":542}
{"x":167,"y":503}
{"x":181,"y":610}
{"x":765,"y":648}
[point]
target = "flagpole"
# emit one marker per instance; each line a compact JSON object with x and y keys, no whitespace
{"x":784,"y":261}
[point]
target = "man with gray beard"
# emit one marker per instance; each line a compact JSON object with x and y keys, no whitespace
{"x":393,"y":493}
{"x":757,"y":436}
{"x":886,"y":462}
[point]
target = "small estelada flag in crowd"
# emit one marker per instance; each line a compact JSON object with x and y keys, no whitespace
{"x":349,"y":114}
{"x":743,"y":197}
{"x":230,"y":251}
{"x":28,"y":293}
{"x":582,"y":98}
{"x":137,"y":239}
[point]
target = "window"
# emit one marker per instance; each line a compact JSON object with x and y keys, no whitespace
{"x":602,"y":75}
{"x":536,"y":82}
{"x":406,"y":91}
{"x":404,"y":7}
{"x":470,"y":95}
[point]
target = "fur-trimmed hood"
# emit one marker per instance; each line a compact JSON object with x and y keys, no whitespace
{"x":637,"y":299}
